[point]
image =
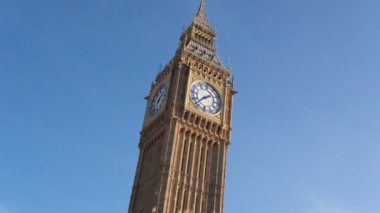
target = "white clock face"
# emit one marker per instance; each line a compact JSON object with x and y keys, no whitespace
{"x":205,"y":97}
{"x":158,"y":100}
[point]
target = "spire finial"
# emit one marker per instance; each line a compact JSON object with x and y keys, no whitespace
{"x":203,"y":3}
{"x":201,"y":18}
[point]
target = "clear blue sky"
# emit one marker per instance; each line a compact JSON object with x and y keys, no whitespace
{"x":73,"y":74}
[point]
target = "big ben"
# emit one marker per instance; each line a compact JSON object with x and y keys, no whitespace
{"x":186,"y":130}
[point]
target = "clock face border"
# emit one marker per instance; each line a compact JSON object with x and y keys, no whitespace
{"x":158,"y":101}
{"x":214,"y":91}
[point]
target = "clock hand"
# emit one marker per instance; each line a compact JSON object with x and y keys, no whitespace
{"x":204,"y":97}
{"x":159,"y":99}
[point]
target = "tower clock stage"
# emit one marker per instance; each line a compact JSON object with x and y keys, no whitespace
{"x":186,"y":130}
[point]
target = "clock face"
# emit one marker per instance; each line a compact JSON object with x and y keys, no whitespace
{"x":158,"y":100}
{"x":205,"y":97}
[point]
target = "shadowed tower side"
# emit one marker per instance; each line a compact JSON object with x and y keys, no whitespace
{"x":186,"y":130}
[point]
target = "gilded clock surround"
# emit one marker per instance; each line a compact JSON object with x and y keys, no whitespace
{"x":165,"y":79}
{"x":210,"y":113}
{"x":159,"y":100}
{"x":183,"y":151}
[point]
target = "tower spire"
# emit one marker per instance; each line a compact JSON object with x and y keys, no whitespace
{"x":201,"y":18}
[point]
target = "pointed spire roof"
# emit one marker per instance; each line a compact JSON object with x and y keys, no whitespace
{"x":201,"y":18}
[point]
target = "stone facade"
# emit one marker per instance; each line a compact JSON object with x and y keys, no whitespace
{"x":185,"y":136}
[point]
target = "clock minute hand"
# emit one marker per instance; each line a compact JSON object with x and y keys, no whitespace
{"x":159,"y":99}
{"x":204,"y":97}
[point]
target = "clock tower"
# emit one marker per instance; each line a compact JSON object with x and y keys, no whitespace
{"x":186,"y":130}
